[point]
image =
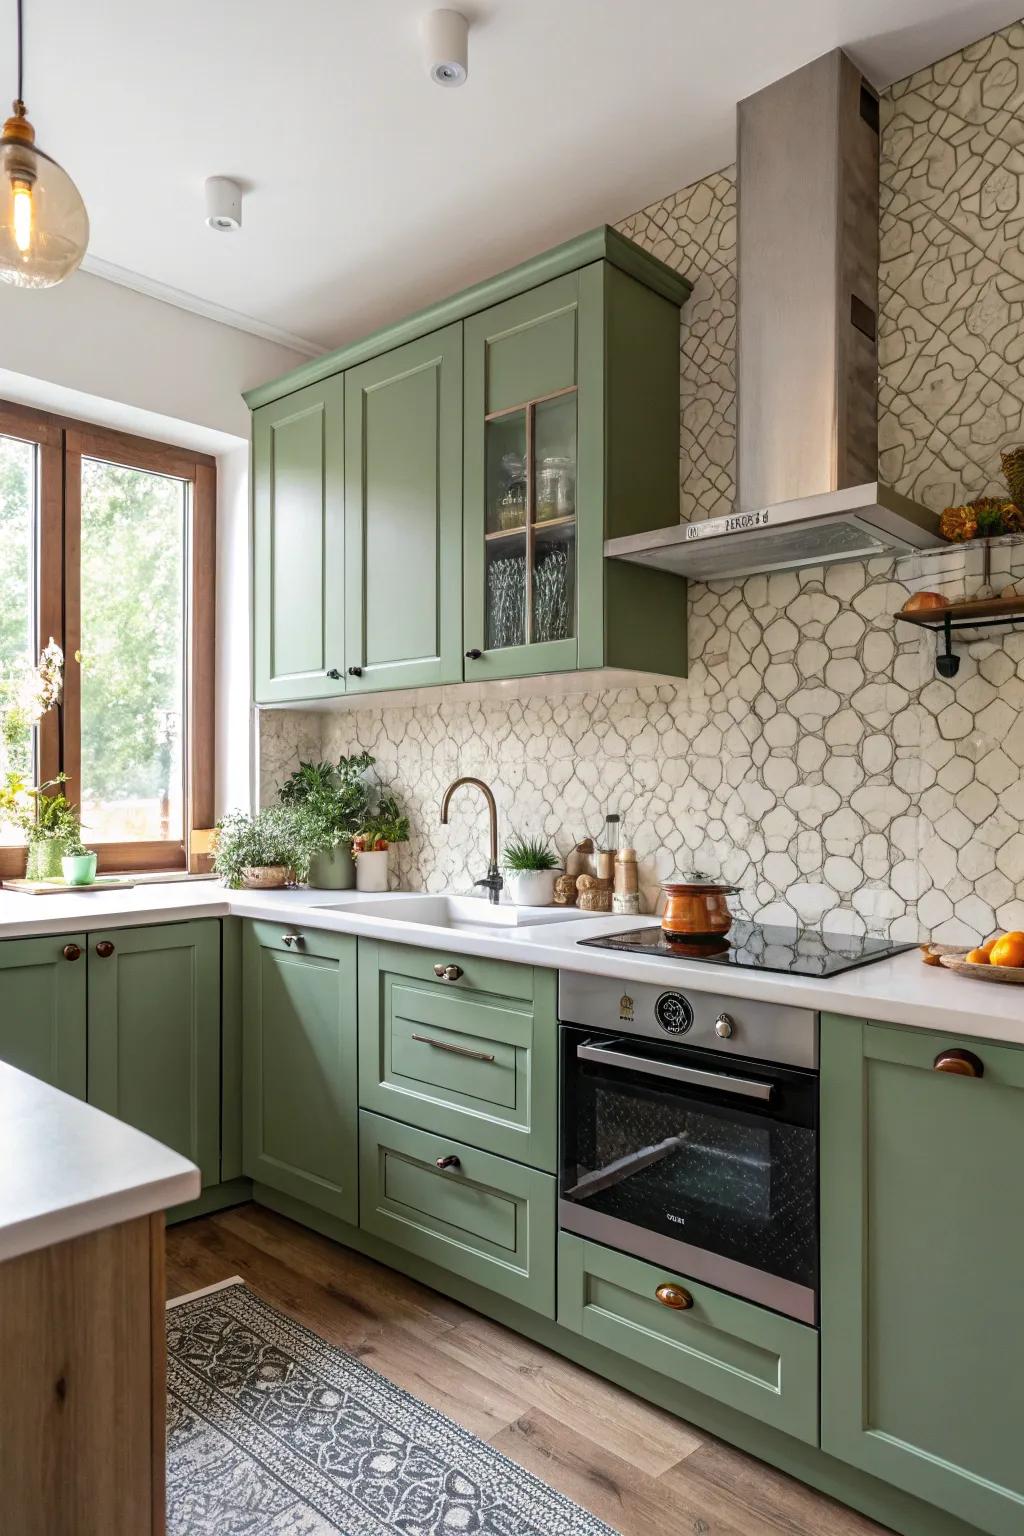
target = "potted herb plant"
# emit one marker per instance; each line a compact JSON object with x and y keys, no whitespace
{"x":259,"y":852}
{"x":530,"y":865}
{"x":328,"y":802}
{"x":384,"y":825}
{"x":78,"y":864}
{"x":49,"y":821}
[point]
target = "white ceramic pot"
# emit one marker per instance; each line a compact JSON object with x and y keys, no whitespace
{"x":532,"y":887}
{"x":372,"y":870}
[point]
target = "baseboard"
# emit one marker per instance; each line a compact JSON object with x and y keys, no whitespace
{"x":215,"y":1197}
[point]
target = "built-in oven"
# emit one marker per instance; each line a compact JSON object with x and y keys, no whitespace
{"x":689,"y":1135}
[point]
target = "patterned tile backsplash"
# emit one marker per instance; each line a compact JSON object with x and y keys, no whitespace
{"x":813,"y":756}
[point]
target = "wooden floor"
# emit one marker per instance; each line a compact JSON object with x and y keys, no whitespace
{"x":643,"y":1471}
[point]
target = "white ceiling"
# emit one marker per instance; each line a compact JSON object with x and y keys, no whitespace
{"x":373,"y":191}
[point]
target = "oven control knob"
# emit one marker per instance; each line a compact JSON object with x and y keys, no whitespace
{"x":673,"y":1013}
{"x":723,"y":1026}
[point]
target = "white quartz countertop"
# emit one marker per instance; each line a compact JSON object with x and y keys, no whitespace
{"x":67,"y":1168}
{"x":898,"y":991}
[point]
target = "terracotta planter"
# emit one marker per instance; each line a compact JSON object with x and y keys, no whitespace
{"x":696,"y":910}
{"x":266,"y":877}
{"x":333,"y":870}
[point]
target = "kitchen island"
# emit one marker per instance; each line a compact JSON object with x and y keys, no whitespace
{"x":82,"y":1198}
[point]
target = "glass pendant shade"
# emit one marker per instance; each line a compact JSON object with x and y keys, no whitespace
{"x":44,"y":228}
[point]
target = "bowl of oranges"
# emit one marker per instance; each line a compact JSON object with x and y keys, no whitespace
{"x":999,"y":959}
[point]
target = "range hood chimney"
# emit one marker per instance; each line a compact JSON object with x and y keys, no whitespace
{"x":807,"y":456}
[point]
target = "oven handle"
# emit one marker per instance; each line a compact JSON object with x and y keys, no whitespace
{"x":606,"y":1055}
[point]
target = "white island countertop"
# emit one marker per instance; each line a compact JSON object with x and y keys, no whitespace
{"x":901,"y":990}
{"x":67,"y":1169}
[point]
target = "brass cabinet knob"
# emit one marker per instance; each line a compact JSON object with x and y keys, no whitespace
{"x":963,"y":1063}
{"x":104,"y":949}
{"x":451,"y":1161}
{"x":447,"y":972}
{"x":71,"y":952}
{"x":675,"y":1297}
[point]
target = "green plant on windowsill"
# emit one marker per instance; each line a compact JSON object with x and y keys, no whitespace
{"x":526,"y":853}
{"x":49,"y":821}
{"x":260,"y":851}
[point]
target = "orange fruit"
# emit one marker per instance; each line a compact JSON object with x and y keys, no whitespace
{"x":1009,"y":950}
{"x":990,"y":944}
{"x":977,"y":956}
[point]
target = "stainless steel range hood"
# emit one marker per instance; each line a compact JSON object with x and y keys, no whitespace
{"x":807,"y":426}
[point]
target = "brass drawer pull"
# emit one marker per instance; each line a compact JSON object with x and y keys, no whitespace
{"x":456,"y":1050}
{"x":451,"y":1161}
{"x":292,"y":938}
{"x":447,"y":972}
{"x":675,"y":1297}
{"x":964,"y":1063}
{"x":71,"y":952}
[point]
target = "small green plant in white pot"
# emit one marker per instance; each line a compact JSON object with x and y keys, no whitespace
{"x":385,"y":825}
{"x":78,"y":864}
{"x":530,"y":866}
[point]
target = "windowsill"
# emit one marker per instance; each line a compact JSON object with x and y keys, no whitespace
{"x":156,"y":876}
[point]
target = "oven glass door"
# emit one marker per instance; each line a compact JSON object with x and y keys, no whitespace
{"x":720,"y":1156}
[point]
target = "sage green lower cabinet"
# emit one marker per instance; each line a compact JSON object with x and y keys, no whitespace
{"x":299,"y":1065}
{"x":482,"y":1217}
{"x":475,"y":1058}
{"x":42,"y":1013}
{"x":154,"y":1034}
{"x":922,"y":1244}
{"x":744,"y":1356}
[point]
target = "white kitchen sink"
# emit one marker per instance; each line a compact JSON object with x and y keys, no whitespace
{"x":465,"y":912}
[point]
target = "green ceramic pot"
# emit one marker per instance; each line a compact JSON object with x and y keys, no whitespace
{"x":44,"y":858}
{"x":79,"y":868}
{"x":333,"y":870}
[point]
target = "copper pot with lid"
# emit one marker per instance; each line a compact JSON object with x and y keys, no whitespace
{"x":696,"y":909}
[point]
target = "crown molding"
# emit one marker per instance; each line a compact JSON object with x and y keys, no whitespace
{"x":111,"y":273}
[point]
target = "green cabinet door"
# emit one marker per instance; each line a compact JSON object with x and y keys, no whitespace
{"x":922,"y":1246}
{"x":300,"y":1133}
{"x":403,"y":516}
{"x":154,"y":1034}
{"x":42,"y":1008}
{"x":298,"y":545}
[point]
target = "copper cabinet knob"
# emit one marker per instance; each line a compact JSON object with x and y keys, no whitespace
{"x":963,"y":1063}
{"x":447,"y":972}
{"x":104,"y":949}
{"x":451,"y":1161}
{"x":71,"y":952}
{"x":674,"y":1296}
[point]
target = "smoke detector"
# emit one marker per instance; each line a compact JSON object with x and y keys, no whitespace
{"x":445,"y":36}
{"x":223,"y":204}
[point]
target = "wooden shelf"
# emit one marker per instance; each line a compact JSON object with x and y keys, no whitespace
{"x":506,"y":533}
{"x":538,"y":527}
{"x":978,"y":613}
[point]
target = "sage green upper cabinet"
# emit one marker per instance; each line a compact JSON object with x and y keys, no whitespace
{"x":298,"y":545}
{"x":571,"y":437}
{"x":403,"y":516}
{"x":42,"y":1013}
{"x":154,"y":1034}
{"x":922,"y":1234}
{"x":299,"y":1095}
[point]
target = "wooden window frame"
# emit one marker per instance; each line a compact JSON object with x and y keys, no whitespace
{"x":62,"y":443}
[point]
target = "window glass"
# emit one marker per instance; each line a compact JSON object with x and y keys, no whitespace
{"x":17,"y":606}
{"x":133,"y":555}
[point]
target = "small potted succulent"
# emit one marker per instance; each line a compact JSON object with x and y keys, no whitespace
{"x":385,"y":825}
{"x":78,"y":864}
{"x":328,"y":802}
{"x":531,"y":866}
{"x":260,"y":852}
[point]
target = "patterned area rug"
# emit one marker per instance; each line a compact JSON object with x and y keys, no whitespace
{"x":272,"y":1432}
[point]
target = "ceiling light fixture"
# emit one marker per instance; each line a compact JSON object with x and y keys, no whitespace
{"x":445,"y":36}
{"x":44,"y":228}
{"x":223,"y":204}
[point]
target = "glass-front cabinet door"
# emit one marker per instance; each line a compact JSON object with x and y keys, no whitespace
{"x":521,"y":474}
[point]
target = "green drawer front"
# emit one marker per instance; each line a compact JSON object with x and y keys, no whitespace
{"x":741,"y":1355}
{"x":474,"y":1065}
{"x":502,"y":977}
{"x":489,"y":1220}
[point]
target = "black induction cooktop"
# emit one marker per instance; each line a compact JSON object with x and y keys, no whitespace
{"x":759,"y":947}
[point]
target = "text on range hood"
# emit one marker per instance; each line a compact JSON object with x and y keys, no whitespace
{"x":807,"y":450}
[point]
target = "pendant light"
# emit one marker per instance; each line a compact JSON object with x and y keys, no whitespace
{"x":44,"y":228}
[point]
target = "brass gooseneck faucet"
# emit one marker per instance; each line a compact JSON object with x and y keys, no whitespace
{"x":492,"y":882}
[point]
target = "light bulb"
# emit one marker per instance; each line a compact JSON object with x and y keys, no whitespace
{"x":23,"y":214}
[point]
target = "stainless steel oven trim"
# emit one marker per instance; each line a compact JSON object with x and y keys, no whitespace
{"x":607,"y":1056}
{"x":685,"y":1261}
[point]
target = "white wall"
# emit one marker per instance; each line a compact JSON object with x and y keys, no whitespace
{"x":92,"y":349}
